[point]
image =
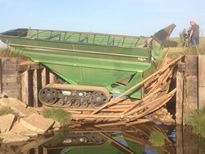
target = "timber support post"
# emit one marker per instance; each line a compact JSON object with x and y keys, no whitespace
{"x":0,"y":76}
{"x":9,"y":77}
{"x":180,"y":93}
{"x":201,"y":81}
{"x":190,"y":95}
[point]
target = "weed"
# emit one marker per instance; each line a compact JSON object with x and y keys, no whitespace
{"x":196,"y":50}
{"x":6,"y":110}
{"x":157,"y":139}
{"x":9,"y":52}
{"x":57,"y":114}
{"x":196,"y":121}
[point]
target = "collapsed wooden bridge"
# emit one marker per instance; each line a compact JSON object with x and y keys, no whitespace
{"x":119,"y":111}
{"x":156,"y":93}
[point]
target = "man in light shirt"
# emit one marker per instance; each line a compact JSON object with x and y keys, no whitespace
{"x":194,"y":33}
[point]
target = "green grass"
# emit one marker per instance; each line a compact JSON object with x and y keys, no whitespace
{"x":6,"y":110}
{"x":157,"y":139}
{"x":197,"y":122}
{"x":57,"y":114}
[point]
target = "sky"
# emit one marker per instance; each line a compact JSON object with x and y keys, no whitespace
{"x":124,"y":17}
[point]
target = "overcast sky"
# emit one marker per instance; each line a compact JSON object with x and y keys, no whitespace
{"x":127,"y":17}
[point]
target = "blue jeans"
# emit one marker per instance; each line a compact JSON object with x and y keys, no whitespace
{"x":195,"y":40}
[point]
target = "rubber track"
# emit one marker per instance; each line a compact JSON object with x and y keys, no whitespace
{"x":78,"y":88}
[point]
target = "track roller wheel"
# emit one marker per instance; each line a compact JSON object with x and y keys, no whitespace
{"x":76,"y":103}
{"x":85,"y":104}
{"x":67,"y":102}
{"x":97,"y":138}
{"x":98,"y":99}
{"x":60,"y":102}
{"x":48,"y":95}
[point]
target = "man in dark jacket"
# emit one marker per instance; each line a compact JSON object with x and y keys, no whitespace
{"x":194,"y":33}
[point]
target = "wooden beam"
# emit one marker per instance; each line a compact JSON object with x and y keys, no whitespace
{"x":25,"y":88}
{"x":145,"y":99}
{"x":140,"y":83}
{"x":180,"y":93}
{"x":44,"y":81}
{"x":35,"y":88}
{"x":0,"y":76}
{"x":158,"y":103}
{"x":165,"y":60}
{"x":190,"y":88}
{"x":51,"y":77}
{"x":139,"y":121}
{"x":201,"y":81}
{"x":179,"y":140}
{"x":118,"y":144}
{"x":111,"y":124}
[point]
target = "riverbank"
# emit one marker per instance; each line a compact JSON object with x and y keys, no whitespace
{"x":28,"y":123}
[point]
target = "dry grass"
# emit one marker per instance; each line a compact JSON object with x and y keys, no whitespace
{"x":9,"y":52}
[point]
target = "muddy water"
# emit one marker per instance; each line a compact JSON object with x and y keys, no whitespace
{"x":112,"y":140}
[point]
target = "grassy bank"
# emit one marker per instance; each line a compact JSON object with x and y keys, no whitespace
{"x":195,"y":50}
{"x":197,"y":122}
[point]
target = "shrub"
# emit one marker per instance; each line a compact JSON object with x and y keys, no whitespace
{"x":171,"y":44}
{"x":184,"y":38}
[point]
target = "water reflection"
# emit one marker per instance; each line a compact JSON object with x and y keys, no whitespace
{"x":117,"y":140}
{"x":91,"y":140}
{"x":112,"y":140}
{"x":188,"y":143}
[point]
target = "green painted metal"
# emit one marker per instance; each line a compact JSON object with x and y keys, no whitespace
{"x":92,"y":59}
{"x":108,"y":148}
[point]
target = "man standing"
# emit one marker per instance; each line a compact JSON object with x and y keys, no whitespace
{"x":194,"y":33}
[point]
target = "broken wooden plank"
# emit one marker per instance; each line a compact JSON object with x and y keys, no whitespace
{"x":138,"y":102}
{"x":140,"y":83}
{"x":111,"y":124}
{"x":118,"y":143}
{"x":165,"y":59}
{"x":139,"y":121}
{"x":157,"y":105}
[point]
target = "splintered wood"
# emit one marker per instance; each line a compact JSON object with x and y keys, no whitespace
{"x":130,"y":112}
